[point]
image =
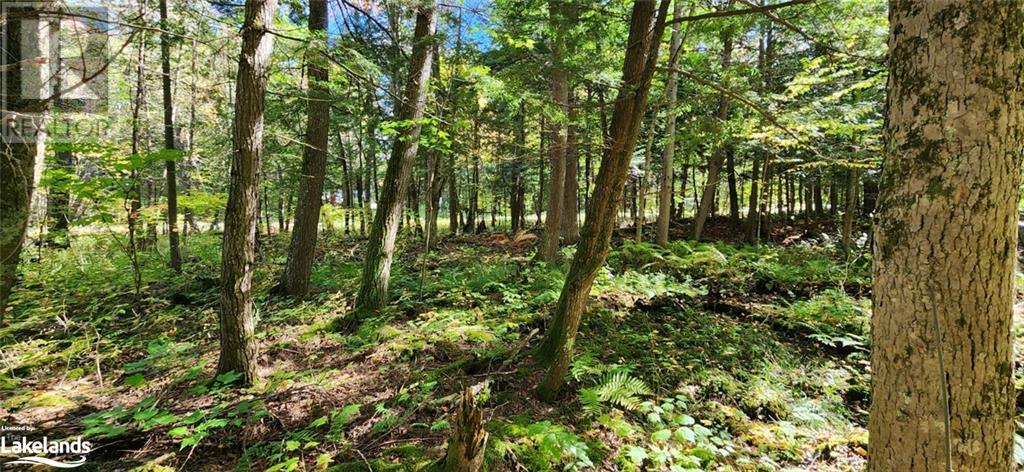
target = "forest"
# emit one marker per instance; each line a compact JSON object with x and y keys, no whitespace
{"x":511,"y":235}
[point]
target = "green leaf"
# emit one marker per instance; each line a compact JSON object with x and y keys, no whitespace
{"x":135,"y":381}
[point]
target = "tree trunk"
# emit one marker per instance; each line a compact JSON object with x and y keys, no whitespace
{"x":58,"y":200}
{"x":560,"y":97}
{"x":718,"y":156}
{"x":852,"y":177}
{"x":571,"y":188}
{"x":237,"y":341}
{"x":19,"y":153}
{"x":734,"y":197}
{"x":380,"y":249}
{"x":753,"y":205}
{"x":469,"y":439}
{"x":640,"y":61}
{"x":302,"y":248}
{"x":644,"y":178}
{"x":668,"y":154}
{"x":169,"y":144}
{"x":942,"y":344}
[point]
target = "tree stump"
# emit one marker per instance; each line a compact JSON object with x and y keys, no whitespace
{"x":468,"y":441}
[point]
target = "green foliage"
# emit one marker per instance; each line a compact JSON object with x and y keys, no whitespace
{"x":538,"y":446}
{"x":615,"y":389}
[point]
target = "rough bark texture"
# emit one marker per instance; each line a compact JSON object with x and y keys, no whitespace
{"x":237,"y":343}
{"x":469,"y":439}
{"x":942,"y":352}
{"x":668,"y":154}
{"x":556,"y":149}
{"x":18,"y":156}
{"x":314,"y":160}
{"x":169,"y":164}
{"x":595,"y":237}
{"x":380,"y":249}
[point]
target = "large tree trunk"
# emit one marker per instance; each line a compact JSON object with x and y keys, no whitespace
{"x":19,"y":152}
{"x":668,"y":154}
{"x":595,"y":237}
{"x":717,"y":159}
{"x":380,"y":249}
{"x":556,"y":149}
{"x":942,"y":344}
{"x":302,"y":248}
{"x":172,"y":179}
{"x":237,"y":341}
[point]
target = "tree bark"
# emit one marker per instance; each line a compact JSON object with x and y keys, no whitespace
{"x":644,"y":179}
{"x":668,"y":154}
{"x":302,"y":249}
{"x":380,"y":249}
{"x":852,"y":177}
{"x":644,"y":40}
{"x":169,"y":144}
{"x":237,"y":341}
{"x":469,"y":439}
{"x":717,"y":158}
{"x":556,"y":150}
{"x":21,"y":148}
{"x":571,"y":188}
{"x":942,"y":343}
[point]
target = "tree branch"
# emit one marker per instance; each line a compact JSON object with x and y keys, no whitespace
{"x":745,"y":11}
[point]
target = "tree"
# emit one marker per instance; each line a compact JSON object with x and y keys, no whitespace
{"x":942,"y":349}
{"x":557,"y":147}
{"x":314,"y":159}
{"x":645,"y":31}
{"x":380,"y":249}
{"x":668,"y":153}
{"x":19,"y":151}
{"x":169,"y":144}
{"x":718,"y":157}
{"x":238,"y":251}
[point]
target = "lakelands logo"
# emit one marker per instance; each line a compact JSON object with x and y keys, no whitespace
{"x":31,"y":452}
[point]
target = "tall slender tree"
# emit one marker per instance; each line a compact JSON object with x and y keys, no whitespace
{"x":557,"y":11}
{"x":380,"y":249}
{"x":942,"y":342}
{"x":668,"y":153}
{"x":718,"y":157}
{"x":169,"y":142}
{"x":645,"y":32}
{"x":302,"y":248}
{"x":238,"y":251}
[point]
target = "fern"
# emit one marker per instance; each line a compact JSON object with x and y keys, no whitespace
{"x":618,"y":389}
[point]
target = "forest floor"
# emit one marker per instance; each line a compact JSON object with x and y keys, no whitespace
{"x":696,"y":357}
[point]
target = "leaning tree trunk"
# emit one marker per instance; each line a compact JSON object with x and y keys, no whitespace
{"x":942,"y":343}
{"x":556,"y":149}
{"x":595,"y":237}
{"x":302,"y":248}
{"x":238,"y":252}
{"x":380,"y":249}
{"x":169,"y":144}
